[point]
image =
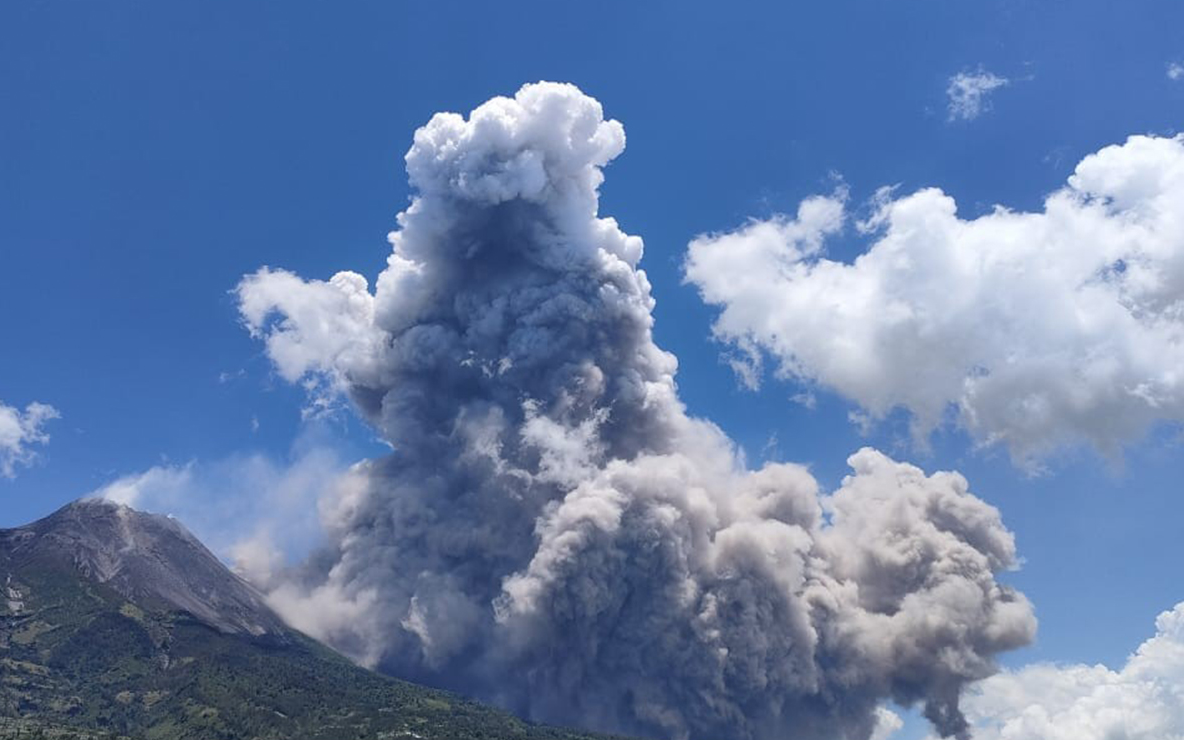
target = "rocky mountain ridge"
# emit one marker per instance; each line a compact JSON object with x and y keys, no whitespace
{"x":144,"y":557}
{"x":121,"y":625}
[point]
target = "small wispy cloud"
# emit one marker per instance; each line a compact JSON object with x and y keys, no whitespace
{"x":227,"y":377}
{"x":1176,"y":70}
{"x":255,"y":511}
{"x":968,"y":93}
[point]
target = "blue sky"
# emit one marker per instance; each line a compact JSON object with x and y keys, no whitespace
{"x":153,"y":154}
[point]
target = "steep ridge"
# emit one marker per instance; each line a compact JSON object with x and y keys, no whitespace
{"x":149,"y":559}
{"x":120,"y":624}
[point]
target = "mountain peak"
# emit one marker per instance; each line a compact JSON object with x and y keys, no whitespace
{"x":149,"y":559}
{"x":92,"y":645}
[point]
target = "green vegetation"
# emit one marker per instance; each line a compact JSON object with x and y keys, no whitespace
{"x":80,"y":662}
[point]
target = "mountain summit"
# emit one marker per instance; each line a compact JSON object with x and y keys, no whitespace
{"x":151,"y":560}
{"x":119,"y":624}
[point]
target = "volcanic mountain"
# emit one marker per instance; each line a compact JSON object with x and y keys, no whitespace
{"x":119,"y":624}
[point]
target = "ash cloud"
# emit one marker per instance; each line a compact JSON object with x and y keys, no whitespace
{"x":552,"y":531}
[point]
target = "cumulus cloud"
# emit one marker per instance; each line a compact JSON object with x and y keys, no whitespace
{"x":1175,"y":71}
{"x":1036,"y":330}
{"x":1144,"y":700}
{"x":552,"y":531}
{"x":968,"y":93}
{"x":19,"y":431}
{"x":259,"y":514}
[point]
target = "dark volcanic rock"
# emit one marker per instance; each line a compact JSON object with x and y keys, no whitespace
{"x":151,"y":560}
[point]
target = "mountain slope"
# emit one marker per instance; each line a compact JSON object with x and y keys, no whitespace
{"x":152,"y":561}
{"x":115,"y":623}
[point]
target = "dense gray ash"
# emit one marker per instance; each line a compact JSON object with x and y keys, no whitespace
{"x":552,"y":531}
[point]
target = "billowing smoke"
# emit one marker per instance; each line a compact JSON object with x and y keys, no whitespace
{"x":552,"y":531}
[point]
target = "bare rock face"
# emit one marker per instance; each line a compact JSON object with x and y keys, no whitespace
{"x":151,"y":560}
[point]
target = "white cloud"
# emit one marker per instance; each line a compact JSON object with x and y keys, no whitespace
{"x":1144,"y":700}
{"x":1176,"y":71}
{"x":887,"y":723}
{"x":150,"y":488}
{"x":304,"y":341}
{"x":1039,"y":330}
{"x":20,"y":430}
{"x":312,"y":329}
{"x":256,"y":512}
{"x":968,"y":93}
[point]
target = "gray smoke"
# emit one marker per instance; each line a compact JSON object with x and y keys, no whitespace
{"x":552,"y":531}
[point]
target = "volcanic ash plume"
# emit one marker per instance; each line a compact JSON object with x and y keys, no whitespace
{"x":552,"y":531}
